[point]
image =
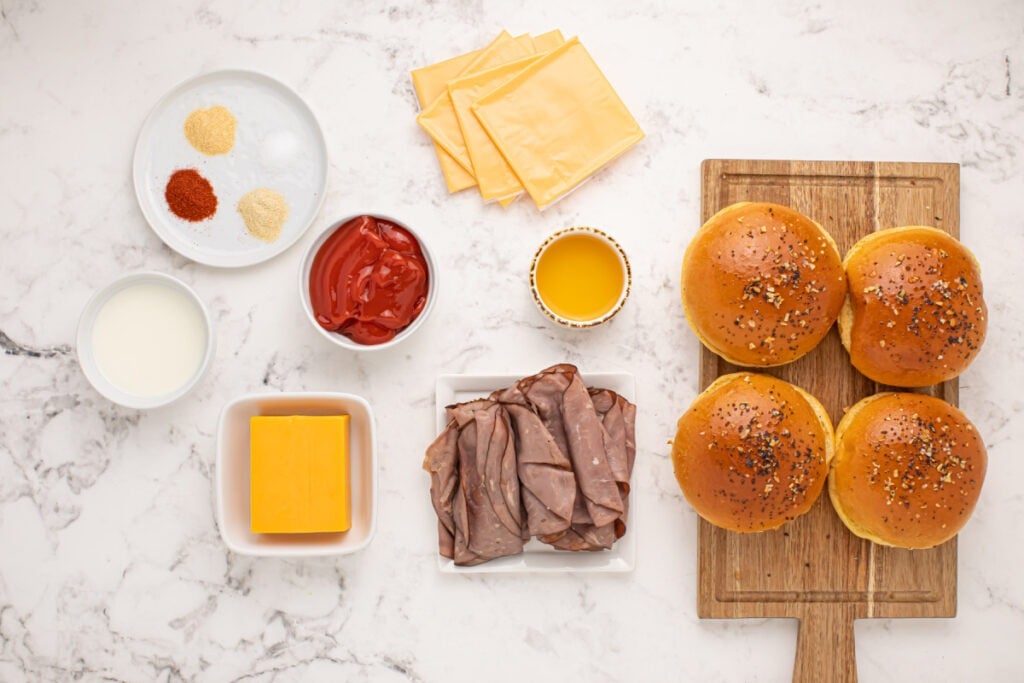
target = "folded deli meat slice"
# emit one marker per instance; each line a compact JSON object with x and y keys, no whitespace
{"x":547,"y":483}
{"x":487,"y":509}
{"x":568,"y":412}
{"x":545,"y":458}
{"x":618,"y":416}
{"x":442,"y":462}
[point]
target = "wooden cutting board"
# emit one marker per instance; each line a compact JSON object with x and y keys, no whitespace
{"x":813,"y":569}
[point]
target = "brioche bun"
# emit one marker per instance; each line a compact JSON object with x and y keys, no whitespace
{"x":908,"y":470}
{"x":915,"y":314}
{"x":761,"y":284}
{"x":752,"y":452}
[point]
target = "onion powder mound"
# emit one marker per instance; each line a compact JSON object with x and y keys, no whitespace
{"x":264,"y":212}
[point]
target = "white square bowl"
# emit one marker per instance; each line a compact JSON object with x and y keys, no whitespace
{"x":537,"y":557}
{"x":232,"y":474}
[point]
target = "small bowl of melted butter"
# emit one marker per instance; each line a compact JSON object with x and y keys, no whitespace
{"x":580,"y":277}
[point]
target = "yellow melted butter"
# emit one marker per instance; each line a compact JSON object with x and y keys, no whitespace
{"x":580,"y":277}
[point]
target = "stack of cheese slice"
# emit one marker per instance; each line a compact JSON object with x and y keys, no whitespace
{"x":530,"y":113}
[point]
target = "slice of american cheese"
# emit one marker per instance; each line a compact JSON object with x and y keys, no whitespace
{"x":557,"y":121}
{"x":430,"y":83}
{"x":494,"y":176}
{"x":546,"y":42}
{"x":439,"y":119}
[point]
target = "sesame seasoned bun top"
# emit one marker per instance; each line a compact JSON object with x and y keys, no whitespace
{"x":762,"y":284}
{"x":908,"y":470}
{"x":752,"y":452}
{"x":915,"y":314}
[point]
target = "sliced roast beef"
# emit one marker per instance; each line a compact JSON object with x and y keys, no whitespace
{"x":609,"y":412}
{"x":547,"y":482}
{"x":586,"y":537}
{"x":589,"y":455}
{"x":442,"y":462}
{"x":485,"y":528}
{"x":546,"y":458}
{"x":548,"y":485}
{"x":465,"y":448}
{"x":618,"y":416}
{"x":583,"y":534}
{"x":543,"y":394}
{"x":629,"y":415}
{"x":496,"y":449}
{"x":564,"y":405}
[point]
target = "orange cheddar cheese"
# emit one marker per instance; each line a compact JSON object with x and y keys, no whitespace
{"x":299,"y":474}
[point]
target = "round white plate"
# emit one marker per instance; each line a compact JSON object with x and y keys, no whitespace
{"x":278,"y":145}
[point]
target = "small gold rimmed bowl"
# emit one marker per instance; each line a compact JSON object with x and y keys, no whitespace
{"x":580,"y":277}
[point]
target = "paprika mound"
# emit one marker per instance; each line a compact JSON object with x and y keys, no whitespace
{"x":190,"y":196}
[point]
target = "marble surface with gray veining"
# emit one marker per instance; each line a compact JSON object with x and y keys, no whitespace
{"x":111,"y":564}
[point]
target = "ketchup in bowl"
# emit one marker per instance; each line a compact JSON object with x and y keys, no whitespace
{"x":369,"y":280}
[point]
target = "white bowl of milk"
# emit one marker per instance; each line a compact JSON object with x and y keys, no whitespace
{"x":145,"y":340}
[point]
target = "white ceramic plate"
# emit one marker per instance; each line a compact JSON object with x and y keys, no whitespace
{"x":232,"y":474}
{"x":278,"y":145}
{"x":539,"y":557}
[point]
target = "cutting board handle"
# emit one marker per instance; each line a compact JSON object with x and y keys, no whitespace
{"x":825,"y":652}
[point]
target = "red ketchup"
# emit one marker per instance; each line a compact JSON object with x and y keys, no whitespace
{"x":369,"y":280}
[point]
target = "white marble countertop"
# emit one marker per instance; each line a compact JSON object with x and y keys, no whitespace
{"x":111,"y":565}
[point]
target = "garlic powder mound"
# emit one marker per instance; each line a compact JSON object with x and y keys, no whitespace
{"x":264,"y":212}
{"x":211,"y":131}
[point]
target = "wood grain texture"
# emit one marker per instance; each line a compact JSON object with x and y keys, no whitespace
{"x":813,"y":569}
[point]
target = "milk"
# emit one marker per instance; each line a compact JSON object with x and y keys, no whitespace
{"x":149,"y":339}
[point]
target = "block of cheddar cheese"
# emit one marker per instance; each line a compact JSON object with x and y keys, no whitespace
{"x":299,"y":474}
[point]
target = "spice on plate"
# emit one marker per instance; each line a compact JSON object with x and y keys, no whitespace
{"x":190,"y":196}
{"x":264,"y":212}
{"x":211,"y":131}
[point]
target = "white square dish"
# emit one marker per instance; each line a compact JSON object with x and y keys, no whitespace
{"x":232,"y":474}
{"x":537,"y":557}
